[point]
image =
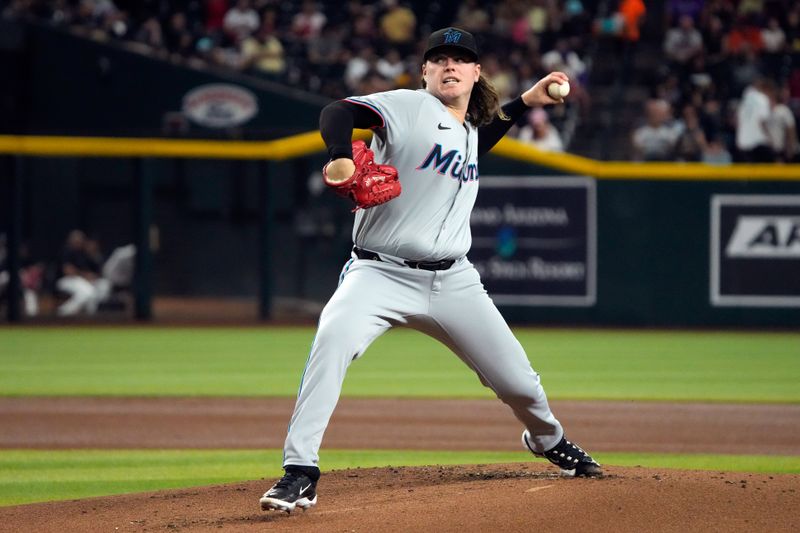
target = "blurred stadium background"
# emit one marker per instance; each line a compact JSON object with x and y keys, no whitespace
{"x":168,"y":141}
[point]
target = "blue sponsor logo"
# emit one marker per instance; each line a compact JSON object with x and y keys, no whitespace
{"x":506,"y":243}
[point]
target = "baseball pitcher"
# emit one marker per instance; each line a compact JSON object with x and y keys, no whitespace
{"x":413,"y":191}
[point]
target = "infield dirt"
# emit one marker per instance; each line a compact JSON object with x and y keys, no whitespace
{"x":487,"y":498}
{"x":519,"y":497}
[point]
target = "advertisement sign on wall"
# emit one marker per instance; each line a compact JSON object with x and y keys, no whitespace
{"x":755,"y":250}
{"x":220,"y":105}
{"x":534,"y":240}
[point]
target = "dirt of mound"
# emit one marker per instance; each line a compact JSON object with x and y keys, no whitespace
{"x":523,"y":497}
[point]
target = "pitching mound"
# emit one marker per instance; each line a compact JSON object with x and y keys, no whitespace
{"x":521,"y":497}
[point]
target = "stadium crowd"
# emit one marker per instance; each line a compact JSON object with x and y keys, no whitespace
{"x":335,"y":48}
{"x":727,"y":86}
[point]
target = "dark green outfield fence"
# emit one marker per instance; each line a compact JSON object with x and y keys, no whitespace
{"x":246,"y":228}
{"x":238,"y":220}
{"x":653,"y":258}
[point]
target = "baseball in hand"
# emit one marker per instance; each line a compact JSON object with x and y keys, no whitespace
{"x":557,"y":91}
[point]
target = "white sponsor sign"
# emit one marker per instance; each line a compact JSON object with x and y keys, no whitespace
{"x":220,"y":105}
{"x":761,"y":236}
{"x":755,"y":250}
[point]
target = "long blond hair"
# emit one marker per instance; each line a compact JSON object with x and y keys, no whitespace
{"x":484,"y":103}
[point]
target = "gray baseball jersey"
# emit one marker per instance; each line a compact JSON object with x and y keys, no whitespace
{"x":436,"y":158}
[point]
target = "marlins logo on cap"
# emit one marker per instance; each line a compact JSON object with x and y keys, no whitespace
{"x":452,"y":38}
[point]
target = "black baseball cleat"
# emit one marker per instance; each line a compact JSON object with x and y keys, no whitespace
{"x":569,"y":457}
{"x":295,"y":489}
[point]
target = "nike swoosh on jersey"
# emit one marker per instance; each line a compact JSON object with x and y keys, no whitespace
{"x":444,"y":127}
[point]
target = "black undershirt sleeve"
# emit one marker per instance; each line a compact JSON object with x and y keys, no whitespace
{"x":491,"y":133}
{"x":336,"y":123}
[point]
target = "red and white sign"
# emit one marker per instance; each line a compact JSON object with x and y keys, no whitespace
{"x":220,"y":105}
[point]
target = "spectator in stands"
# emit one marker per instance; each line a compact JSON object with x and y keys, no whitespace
{"x":682,"y":43}
{"x":177,"y":38}
{"x":80,"y":276}
{"x":358,"y":66}
{"x":773,"y":36}
{"x":752,"y":136}
{"x":774,"y":39}
{"x":632,"y":13}
{"x":363,"y":30}
{"x":745,"y":35}
{"x":226,"y":53}
{"x":712,"y":118}
{"x":624,"y":25}
{"x":263,"y":52}
{"x":150,"y":34}
{"x":215,"y":11}
{"x":535,"y":20}
{"x":473,"y":17}
{"x":540,"y":132}
{"x":30,"y":277}
{"x":576,"y":23}
{"x":119,"y":268}
{"x":691,"y":142}
{"x":399,"y":25}
{"x":716,"y":153}
{"x":391,"y":66}
{"x":324,"y":52}
{"x":222,"y":32}
{"x":373,"y":82}
{"x":714,"y":37}
{"x":114,"y":24}
{"x":240,"y":21}
{"x":565,"y":59}
{"x":698,"y":76}
{"x":308,"y":23}
{"x":655,"y":140}
{"x":781,"y":125}
{"x":792,"y":31}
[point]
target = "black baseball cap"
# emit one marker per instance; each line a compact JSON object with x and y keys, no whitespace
{"x":451,"y":38}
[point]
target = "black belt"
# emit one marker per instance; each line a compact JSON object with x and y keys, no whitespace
{"x":423,"y":265}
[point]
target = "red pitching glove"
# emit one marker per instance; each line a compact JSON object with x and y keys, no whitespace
{"x":371,"y":184}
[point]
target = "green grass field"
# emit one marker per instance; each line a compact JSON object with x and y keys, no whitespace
{"x":30,"y":476}
{"x":574,"y":364}
{"x":580,"y":364}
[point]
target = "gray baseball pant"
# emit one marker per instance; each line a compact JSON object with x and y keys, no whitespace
{"x":449,"y":305}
